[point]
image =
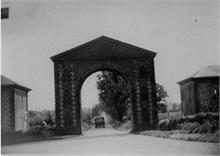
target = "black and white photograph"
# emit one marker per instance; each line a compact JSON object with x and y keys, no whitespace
{"x":110,"y":77}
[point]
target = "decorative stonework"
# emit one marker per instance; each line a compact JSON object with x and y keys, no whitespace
{"x":138,"y":96}
{"x":150,"y":100}
{"x":60,"y":73}
{"x":73,"y":94}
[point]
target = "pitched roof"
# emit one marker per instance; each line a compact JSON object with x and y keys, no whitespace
{"x":208,"y":71}
{"x":7,"y":82}
{"x":102,"y":46}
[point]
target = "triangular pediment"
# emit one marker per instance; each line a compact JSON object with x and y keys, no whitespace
{"x":104,"y":48}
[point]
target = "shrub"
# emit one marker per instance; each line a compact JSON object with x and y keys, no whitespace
{"x":198,"y":123}
{"x":201,"y":117}
{"x":39,"y":118}
{"x":209,"y":126}
{"x":167,"y":124}
{"x":190,"y":127}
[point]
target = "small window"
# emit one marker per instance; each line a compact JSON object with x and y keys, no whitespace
{"x":20,"y":102}
{"x":215,"y":92}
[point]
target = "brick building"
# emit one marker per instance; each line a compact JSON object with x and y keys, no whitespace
{"x":200,"y":92}
{"x":14,"y":106}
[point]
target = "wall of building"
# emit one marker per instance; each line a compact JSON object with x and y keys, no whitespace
{"x":205,"y":98}
{"x":187,"y":98}
{"x":7,"y":115}
{"x":21,"y":110}
{"x":14,"y":110}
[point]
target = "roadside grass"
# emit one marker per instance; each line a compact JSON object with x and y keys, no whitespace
{"x":200,"y":127}
{"x":34,"y":135}
{"x":203,"y":127}
{"x":183,"y":135}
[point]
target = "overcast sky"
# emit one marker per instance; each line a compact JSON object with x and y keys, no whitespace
{"x":183,"y":33}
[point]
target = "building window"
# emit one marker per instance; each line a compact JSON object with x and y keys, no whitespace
{"x":215,"y":92}
{"x":20,"y":102}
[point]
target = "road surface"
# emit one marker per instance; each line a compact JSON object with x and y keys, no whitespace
{"x":107,"y":141}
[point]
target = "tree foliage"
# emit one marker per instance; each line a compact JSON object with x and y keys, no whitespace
{"x":113,"y":94}
{"x":37,"y":117}
{"x":97,"y":110}
{"x":161,"y":95}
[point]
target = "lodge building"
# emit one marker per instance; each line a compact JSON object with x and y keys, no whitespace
{"x":200,"y":92}
{"x":14,"y":106}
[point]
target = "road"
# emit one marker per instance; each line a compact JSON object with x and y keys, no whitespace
{"x":111,"y":142}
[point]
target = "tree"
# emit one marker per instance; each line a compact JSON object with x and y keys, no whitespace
{"x":113,"y":94}
{"x":37,"y":117}
{"x":97,"y":110}
{"x":161,"y":95}
{"x":50,"y":118}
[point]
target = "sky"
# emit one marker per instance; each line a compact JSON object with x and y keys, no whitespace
{"x":183,"y":33}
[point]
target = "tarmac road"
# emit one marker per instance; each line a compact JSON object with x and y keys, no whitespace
{"x":107,"y":141}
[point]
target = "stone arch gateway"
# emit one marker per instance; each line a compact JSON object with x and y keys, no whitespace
{"x":72,"y":67}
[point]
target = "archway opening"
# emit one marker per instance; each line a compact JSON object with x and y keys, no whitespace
{"x":106,"y":103}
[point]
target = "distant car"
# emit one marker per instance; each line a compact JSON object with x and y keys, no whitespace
{"x":99,"y":122}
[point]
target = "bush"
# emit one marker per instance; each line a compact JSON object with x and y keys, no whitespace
{"x":188,"y":126}
{"x":209,"y":126}
{"x":201,"y":117}
{"x":167,"y":124}
{"x":199,"y":123}
{"x":39,"y":118}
